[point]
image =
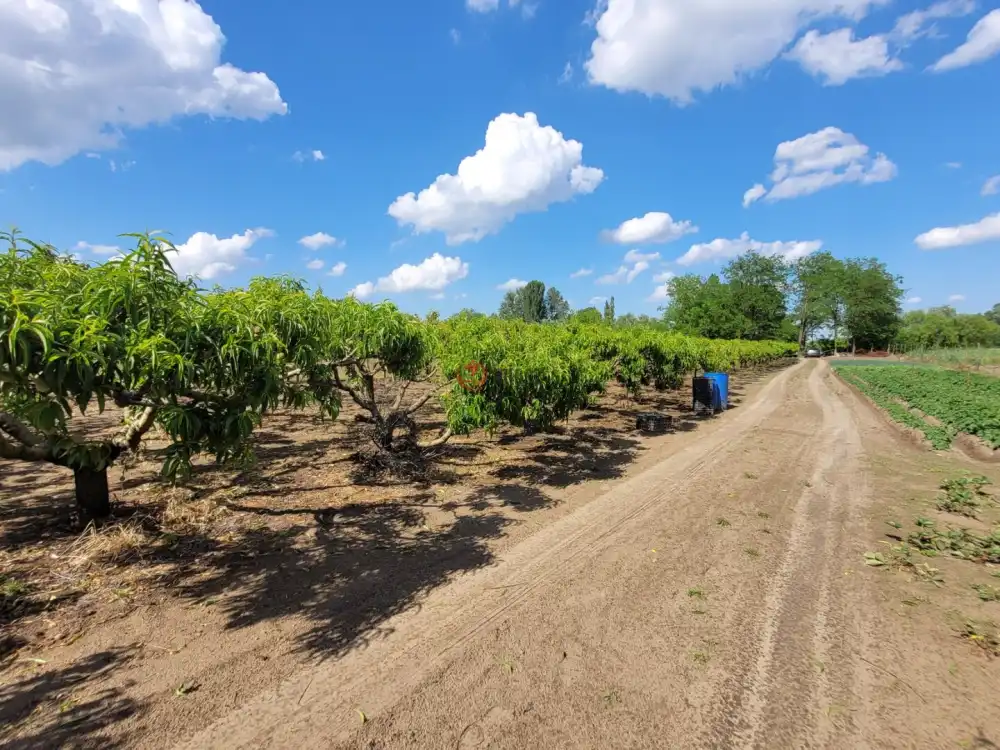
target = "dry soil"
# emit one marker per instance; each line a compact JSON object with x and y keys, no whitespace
{"x":708,"y":589}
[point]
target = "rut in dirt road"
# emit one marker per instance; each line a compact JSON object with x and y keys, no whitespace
{"x":806,"y":685}
{"x":583,"y":635}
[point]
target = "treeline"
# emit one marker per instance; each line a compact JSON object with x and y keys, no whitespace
{"x":533,"y":303}
{"x":205,"y":366}
{"x":818,"y":300}
{"x":944,"y":328}
{"x":761,"y":296}
{"x":756,"y":297}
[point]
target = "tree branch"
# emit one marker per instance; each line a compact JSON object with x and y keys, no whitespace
{"x":399,"y":396}
{"x":424,"y":399}
{"x":367,"y":406}
{"x":440,"y":440}
{"x":23,"y":452}
{"x":18,"y":430}
{"x":125,"y":399}
{"x":134,"y":433}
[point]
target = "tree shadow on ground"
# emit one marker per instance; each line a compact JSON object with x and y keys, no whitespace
{"x":345,"y":570}
{"x":62,"y":720}
{"x":576,"y":456}
{"x":358,"y":566}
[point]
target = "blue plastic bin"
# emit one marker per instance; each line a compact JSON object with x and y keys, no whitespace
{"x":721,"y":381}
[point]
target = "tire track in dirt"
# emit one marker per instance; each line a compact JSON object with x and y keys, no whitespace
{"x":807,"y":685}
{"x":315,"y":709}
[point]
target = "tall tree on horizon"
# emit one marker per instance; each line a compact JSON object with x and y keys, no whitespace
{"x":872,"y":298}
{"x":556,"y":306}
{"x":758,"y":285}
{"x":817,"y":291}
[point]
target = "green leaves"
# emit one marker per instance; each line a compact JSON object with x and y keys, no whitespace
{"x":539,"y":374}
{"x":208,"y":364}
{"x":961,"y":402}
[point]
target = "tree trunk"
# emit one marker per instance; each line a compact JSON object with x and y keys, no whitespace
{"x":385,"y":429}
{"x":92,"y":495}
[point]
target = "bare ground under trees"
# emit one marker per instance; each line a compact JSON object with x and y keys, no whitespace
{"x":704,"y":588}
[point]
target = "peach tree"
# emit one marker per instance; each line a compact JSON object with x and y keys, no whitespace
{"x":204,"y":366}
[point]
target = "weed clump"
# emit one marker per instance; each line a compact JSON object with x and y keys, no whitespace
{"x":962,"y":543}
{"x":963,"y":495}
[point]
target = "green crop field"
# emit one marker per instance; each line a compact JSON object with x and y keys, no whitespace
{"x":971,"y":357}
{"x":960,"y":402}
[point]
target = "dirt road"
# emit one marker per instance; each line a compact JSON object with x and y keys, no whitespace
{"x":701,"y":603}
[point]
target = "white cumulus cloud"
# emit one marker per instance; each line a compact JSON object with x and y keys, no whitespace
{"x":663,"y":277}
{"x":362,"y":291}
{"x":653,"y":227}
{"x":982,"y":43}
{"x":755,"y":193}
{"x":314,"y":265}
{"x":206,"y":256}
{"x":838,"y":57}
{"x":581,"y":273}
{"x":939,"y":238}
{"x":337,"y":269}
{"x":662,"y":292}
{"x":991,"y":186}
{"x":511,"y":285}
{"x":432,"y":275}
{"x":522,"y":168}
{"x":635,"y":264}
{"x":82,"y":246}
{"x":720,"y":249}
{"x":675,"y":48}
{"x":914,"y":300}
{"x":318,"y":240}
{"x":957,"y":298}
{"x":818,"y":161}
{"x":80,"y":72}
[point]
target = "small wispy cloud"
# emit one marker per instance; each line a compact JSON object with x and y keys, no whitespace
{"x":314,"y":155}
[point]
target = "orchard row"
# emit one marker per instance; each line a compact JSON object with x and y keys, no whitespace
{"x":206,"y":365}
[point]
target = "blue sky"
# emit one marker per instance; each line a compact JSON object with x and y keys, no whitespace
{"x":142,"y":119}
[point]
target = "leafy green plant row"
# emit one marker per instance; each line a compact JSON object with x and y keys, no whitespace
{"x":964,"y":402}
{"x":205,"y":366}
{"x":939,"y":438}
